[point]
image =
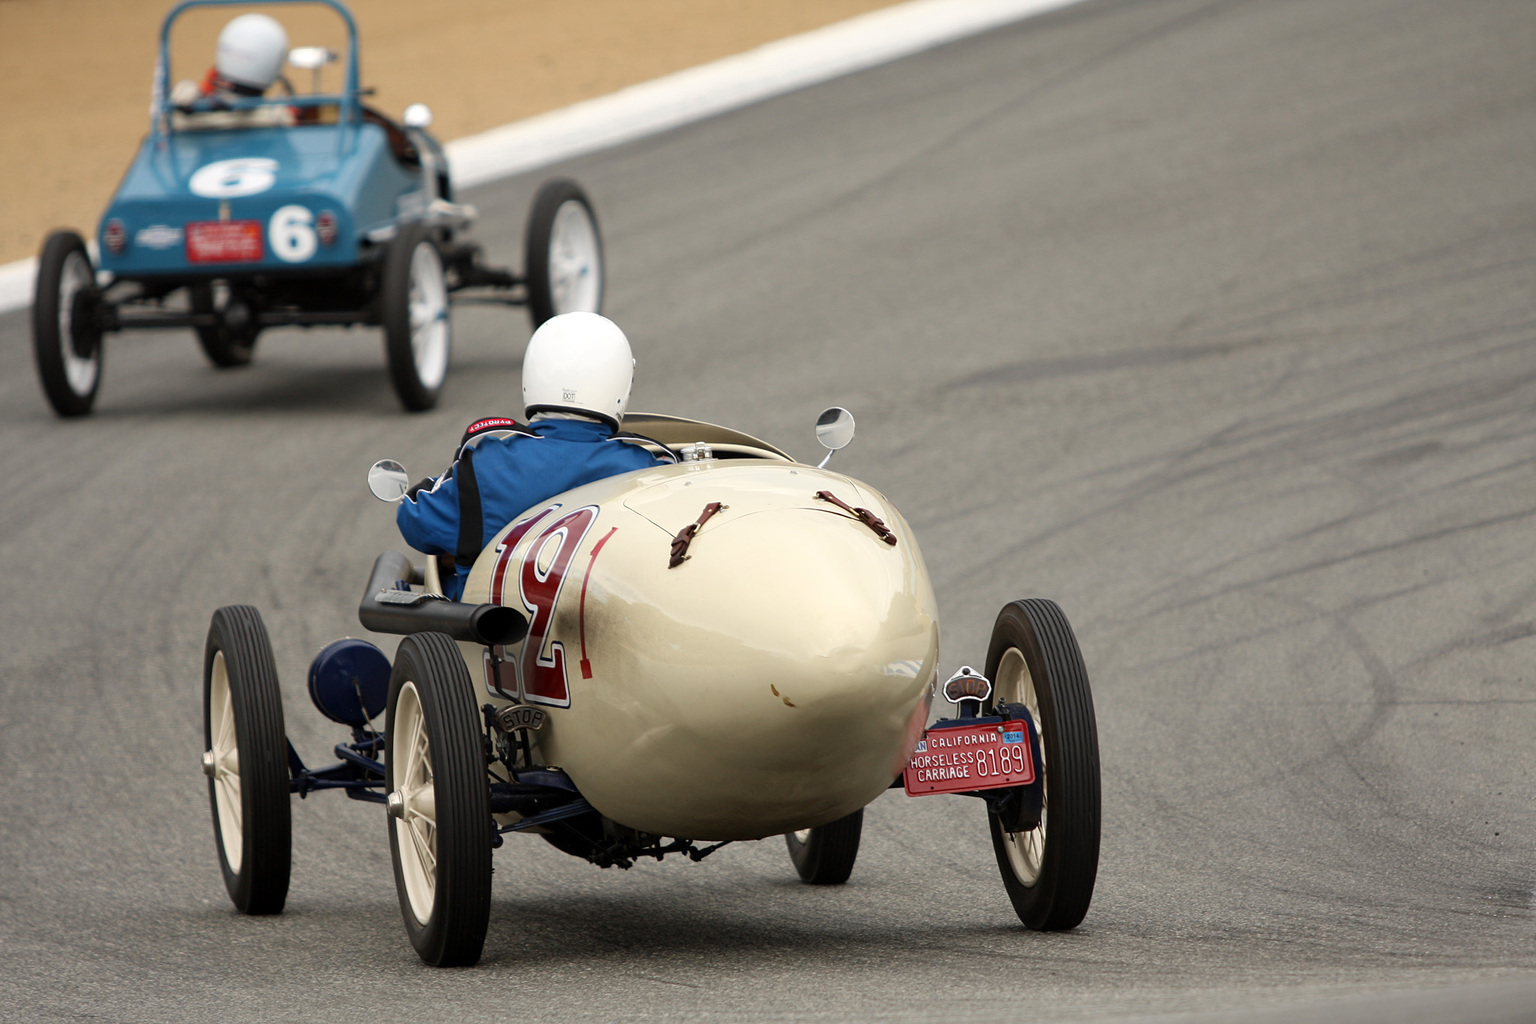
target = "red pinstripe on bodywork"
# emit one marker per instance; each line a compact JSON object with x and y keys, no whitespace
{"x":586,"y":665}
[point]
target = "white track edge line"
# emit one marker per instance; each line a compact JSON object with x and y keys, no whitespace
{"x":674,"y":100}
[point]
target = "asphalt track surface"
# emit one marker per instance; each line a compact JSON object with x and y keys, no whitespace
{"x":1213,"y":321}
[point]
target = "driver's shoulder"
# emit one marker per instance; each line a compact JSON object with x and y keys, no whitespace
{"x":492,"y":428}
{"x":639,"y":443}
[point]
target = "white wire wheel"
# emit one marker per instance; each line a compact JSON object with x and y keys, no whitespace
{"x":563,"y":253}
{"x":418,"y":331}
{"x":440,"y":826}
{"x":246,"y":760}
{"x":416,"y":819}
{"x":66,"y":347}
{"x":1049,"y":871}
{"x":1014,"y":685}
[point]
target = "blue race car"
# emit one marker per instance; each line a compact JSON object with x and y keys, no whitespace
{"x":246,"y":212}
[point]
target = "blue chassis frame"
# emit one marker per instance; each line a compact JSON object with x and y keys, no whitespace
{"x":368,"y":787}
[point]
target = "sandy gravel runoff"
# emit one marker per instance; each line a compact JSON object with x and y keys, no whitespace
{"x":75,"y":74}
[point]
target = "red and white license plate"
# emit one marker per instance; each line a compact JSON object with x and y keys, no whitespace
{"x":224,"y":241}
{"x":965,"y":758}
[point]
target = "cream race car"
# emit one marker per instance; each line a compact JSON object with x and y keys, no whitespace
{"x":728,"y":647}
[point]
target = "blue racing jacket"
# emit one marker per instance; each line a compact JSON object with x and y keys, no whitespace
{"x":504,"y":468}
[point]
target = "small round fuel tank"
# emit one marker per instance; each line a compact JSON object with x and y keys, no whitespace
{"x":349,"y":681}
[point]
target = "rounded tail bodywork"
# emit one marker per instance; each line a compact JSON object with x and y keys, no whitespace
{"x":767,"y":670}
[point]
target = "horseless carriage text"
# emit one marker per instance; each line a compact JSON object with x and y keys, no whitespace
{"x":304,"y":209}
{"x":730,"y":647}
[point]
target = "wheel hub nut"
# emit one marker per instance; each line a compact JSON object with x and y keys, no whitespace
{"x":395,"y":804}
{"x":210,"y":768}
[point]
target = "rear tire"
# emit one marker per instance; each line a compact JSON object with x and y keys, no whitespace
{"x":246,"y":761}
{"x":226,"y":347}
{"x":65,"y":340}
{"x":563,"y":253}
{"x":824,"y":855}
{"x":418,"y":334}
{"x":440,"y":838}
{"x":1049,"y":871}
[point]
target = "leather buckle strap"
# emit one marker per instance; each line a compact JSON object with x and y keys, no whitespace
{"x":863,"y":515}
{"x":686,"y":534}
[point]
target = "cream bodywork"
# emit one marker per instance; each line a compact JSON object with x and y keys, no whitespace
{"x":775,"y":680}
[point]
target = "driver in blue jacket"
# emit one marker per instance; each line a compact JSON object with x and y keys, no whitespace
{"x":577,"y":373}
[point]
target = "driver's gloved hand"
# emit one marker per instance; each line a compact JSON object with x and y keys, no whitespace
{"x":424,"y":484}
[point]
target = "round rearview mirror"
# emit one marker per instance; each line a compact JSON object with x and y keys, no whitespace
{"x":387,"y":480}
{"x":417,"y":115}
{"x":834,"y":428}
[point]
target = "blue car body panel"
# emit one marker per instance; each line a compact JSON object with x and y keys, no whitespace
{"x":346,"y":169}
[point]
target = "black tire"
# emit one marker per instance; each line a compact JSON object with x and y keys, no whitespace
{"x":824,"y":855}
{"x":562,"y":253}
{"x":247,"y":782}
{"x":418,"y":332}
{"x":65,"y":340}
{"x":225,"y":346}
{"x":441,"y":848}
{"x":1049,"y":872}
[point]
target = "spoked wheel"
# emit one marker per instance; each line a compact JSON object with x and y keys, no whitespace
{"x":65,"y":339}
{"x":414,"y":308}
{"x":824,"y":855}
{"x":439,"y":802}
{"x":1049,"y":871}
{"x":246,"y":761}
{"x":563,"y":253}
{"x":232,"y":342}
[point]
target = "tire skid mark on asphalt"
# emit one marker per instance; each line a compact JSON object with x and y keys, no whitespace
{"x":948,"y":140}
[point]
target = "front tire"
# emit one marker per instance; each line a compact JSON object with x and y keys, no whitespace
{"x":440,"y":822}
{"x":246,"y":761}
{"x":1049,"y":871}
{"x":563,"y":253}
{"x":824,"y":855}
{"x":418,"y":335}
{"x":65,"y":339}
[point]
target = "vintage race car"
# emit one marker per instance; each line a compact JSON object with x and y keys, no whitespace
{"x":303,"y":209}
{"x":727,"y":647}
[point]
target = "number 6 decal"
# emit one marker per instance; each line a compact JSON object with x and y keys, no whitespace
{"x":291,"y":233}
{"x":541,"y":573}
{"x":229,"y":179}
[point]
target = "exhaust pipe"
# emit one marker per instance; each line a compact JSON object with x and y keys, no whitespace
{"x":386,"y":608}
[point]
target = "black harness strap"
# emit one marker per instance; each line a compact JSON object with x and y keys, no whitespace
{"x":471,"y":515}
{"x":471,"y":509}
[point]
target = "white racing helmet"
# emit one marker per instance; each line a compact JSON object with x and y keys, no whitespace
{"x":580,"y":363}
{"x":251,"y":52}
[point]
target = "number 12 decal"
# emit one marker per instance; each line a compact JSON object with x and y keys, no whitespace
{"x":540,"y":576}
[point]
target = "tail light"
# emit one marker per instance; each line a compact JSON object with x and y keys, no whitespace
{"x":114,"y":236}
